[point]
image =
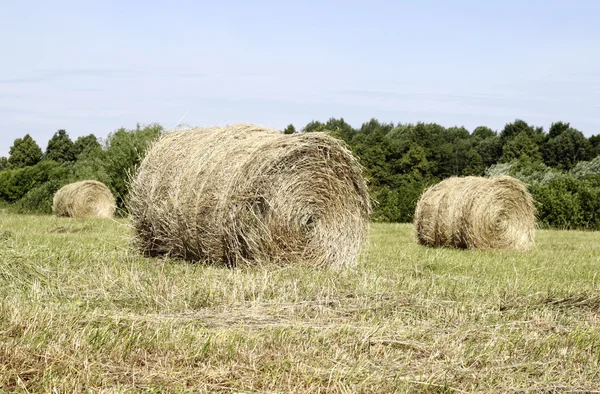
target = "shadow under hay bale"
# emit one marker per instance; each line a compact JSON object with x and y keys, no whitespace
{"x":248,"y":195}
{"x":476,"y":213}
{"x":84,"y":199}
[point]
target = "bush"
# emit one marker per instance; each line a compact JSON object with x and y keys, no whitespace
{"x":123,"y":152}
{"x":15,"y":184}
{"x":590,"y":202}
{"x":587,"y":168}
{"x":568,"y":200}
{"x":39,"y":199}
{"x":569,"y":203}
{"x":397,"y":204}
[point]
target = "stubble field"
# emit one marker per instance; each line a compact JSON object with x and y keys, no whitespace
{"x":80,"y":311}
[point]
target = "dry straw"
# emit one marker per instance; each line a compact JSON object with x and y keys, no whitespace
{"x":476,"y":213}
{"x":248,"y":195}
{"x":84,"y":199}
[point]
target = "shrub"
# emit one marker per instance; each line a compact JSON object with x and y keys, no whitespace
{"x":15,"y":184}
{"x":39,"y":199}
{"x":569,"y":203}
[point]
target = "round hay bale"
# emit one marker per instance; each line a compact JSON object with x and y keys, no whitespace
{"x":244,"y":194}
{"x":476,"y":213}
{"x":84,"y":199}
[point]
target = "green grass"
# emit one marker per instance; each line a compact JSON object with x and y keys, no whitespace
{"x":79,"y":311}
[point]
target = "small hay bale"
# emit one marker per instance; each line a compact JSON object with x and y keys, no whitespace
{"x":84,"y":199}
{"x":244,"y":194}
{"x":476,"y":213}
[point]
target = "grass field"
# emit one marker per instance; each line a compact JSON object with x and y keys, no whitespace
{"x":79,"y":311}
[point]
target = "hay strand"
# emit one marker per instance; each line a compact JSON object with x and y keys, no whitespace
{"x":476,"y":213}
{"x":244,"y":194}
{"x":84,"y":199}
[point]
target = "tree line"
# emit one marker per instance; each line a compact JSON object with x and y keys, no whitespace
{"x":29,"y":177}
{"x":561,"y":166}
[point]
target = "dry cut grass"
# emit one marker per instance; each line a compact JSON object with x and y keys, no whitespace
{"x":79,"y":312}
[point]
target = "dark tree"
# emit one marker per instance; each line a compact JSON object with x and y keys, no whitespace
{"x":521,"y":147}
{"x":84,"y":143}
{"x":490,"y":150}
{"x":60,"y":148}
{"x":24,"y":152}
{"x":340,"y":129}
{"x":595,"y":143}
{"x":483,"y":132}
{"x":511,"y":130}
{"x":124,"y":152}
{"x":413,"y":162}
{"x":290,"y":129}
{"x":558,"y":128}
{"x":373,"y":148}
{"x":566,"y":149}
{"x":313,"y":126}
{"x":3,"y":163}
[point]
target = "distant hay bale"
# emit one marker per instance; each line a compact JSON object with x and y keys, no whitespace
{"x":84,"y":199}
{"x":244,"y":194}
{"x":476,"y":213}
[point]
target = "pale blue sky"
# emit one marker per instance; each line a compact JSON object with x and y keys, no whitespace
{"x":95,"y":66}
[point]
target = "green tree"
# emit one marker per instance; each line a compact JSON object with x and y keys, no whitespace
{"x":24,"y":152}
{"x":83,"y":143}
{"x":469,"y":160}
{"x":414,"y":162}
{"x":124,"y":152}
{"x":340,"y":129}
{"x":557,"y":129}
{"x":483,"y":132}
{"x":92,"y":164}
{"x":490,"y":150}
{"x":523,"y":133}
{"x":314,"y":125}
{"x":290,"y":129}
{"x":459,"y":156}
{"x":567,"y":148}
{"x":521,"y":147}
{"x":398,"y":203}
{"x":60,"y":148}
{"x":595,"y":143}
{"x":373,"y":149}
{"x":3,"y":163}
{"x":511,"y":130}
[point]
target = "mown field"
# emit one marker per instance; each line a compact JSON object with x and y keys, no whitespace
{"x":81,"y":312}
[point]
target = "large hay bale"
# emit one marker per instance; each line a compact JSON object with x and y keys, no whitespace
{"x":84,"y":199}
{"x":246,"y":194}
{"x":476,"y":213}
